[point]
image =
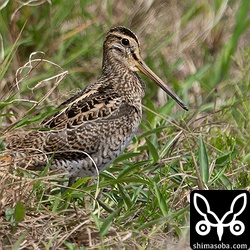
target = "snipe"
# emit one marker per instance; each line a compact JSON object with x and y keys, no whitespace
{"x":98,"y":123}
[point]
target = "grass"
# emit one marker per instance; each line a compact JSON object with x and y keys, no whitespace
{"x":142,"y":201}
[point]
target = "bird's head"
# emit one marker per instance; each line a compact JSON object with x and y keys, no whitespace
{"x":123,"y":46}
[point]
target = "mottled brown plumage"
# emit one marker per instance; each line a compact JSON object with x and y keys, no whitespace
{"x":98,"y":123}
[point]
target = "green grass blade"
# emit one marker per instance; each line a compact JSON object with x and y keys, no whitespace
{"x":203,"y":161}
{"x":221,"y":69}
{"x":96,"y":220}
{"x":19,"y":241}
{"x":131,"y":168}
{"x":107,"y":223}
{"x":161,"y":201}
{"x":19,"y":212}
{"x":6,"y":62}
{"x":152,"y":151}
{"x":125,"y":196}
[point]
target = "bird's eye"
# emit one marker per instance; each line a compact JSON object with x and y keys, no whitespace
{"x":125,"y":41}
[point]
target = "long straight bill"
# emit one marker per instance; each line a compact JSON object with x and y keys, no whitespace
{"x":143,"y":68}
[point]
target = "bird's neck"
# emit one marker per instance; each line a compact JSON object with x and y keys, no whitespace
{"x":111,"y":65}
{"x":124,"y":79}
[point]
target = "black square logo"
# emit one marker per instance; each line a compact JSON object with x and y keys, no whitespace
{"x":220,"y":219}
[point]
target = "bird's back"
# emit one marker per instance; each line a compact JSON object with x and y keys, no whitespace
{"x":90,"y":129}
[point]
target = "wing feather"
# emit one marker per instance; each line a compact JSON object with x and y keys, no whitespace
{"x":90,"y":104}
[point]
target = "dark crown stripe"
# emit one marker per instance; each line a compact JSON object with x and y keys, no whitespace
{"x":124,"y":31}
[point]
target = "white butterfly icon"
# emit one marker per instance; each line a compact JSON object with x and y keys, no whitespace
{"x":236,"y":227}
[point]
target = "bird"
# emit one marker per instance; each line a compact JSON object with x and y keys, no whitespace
{"x":91,"y":129}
